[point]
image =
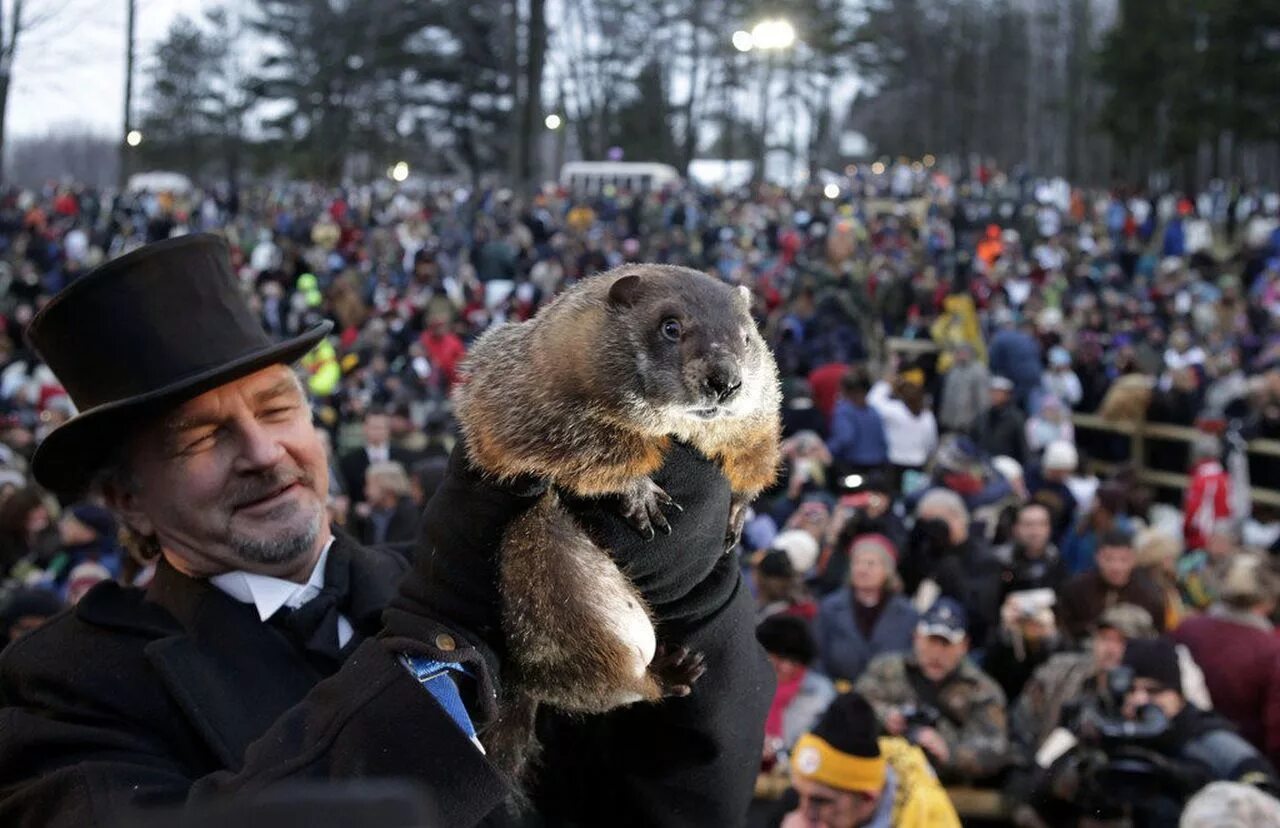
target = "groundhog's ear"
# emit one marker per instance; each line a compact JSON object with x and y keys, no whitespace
{"x":745,"y":293}
{"x":626,"y":291}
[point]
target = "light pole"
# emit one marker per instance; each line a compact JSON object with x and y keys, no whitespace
{"x":770,"y":37}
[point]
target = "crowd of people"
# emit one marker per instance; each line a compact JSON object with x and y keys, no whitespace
{"x":940,"y":563}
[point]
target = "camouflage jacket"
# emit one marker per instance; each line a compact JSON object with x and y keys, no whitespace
{"x":972,"y":705}
{"x":1063,"y":679}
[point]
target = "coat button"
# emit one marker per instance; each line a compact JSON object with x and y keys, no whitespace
{"x":446,"y":643}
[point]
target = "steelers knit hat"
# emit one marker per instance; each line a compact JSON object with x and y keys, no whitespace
{"x":843,"y":750}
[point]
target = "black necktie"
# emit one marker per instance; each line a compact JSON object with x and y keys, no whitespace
{"x":313,"y":627}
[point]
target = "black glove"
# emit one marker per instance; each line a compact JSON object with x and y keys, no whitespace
{"x":453,"y":582}
{"x":684,"y":576}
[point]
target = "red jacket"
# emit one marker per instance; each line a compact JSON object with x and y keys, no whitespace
{"x":444,"y":351}
{"x":1241,"y":664}
{"x":1207,"y":501}
{"x":824,"y":382}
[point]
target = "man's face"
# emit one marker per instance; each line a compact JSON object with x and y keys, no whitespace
{"x":1000,"y":397}
{"x":1108,"y":648}
{"x":822,"y":806}
{"x":377,"y":429}
{"x":939,"y":657}
{"x":1032,"y":529}
{"x":372,"y":489}
{"x":1115,"y":564}
{"x":1149,"y":691}
{"x":233,"y":479}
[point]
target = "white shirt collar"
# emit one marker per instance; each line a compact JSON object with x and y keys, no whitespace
{"x":269,"y":594}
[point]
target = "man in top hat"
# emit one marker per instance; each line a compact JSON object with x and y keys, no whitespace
{"x":271,"y":651}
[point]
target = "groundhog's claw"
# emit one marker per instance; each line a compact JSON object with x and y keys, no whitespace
{"x":642,"y":507}
{"x":677,"y":669}
{"x":737,"y":520}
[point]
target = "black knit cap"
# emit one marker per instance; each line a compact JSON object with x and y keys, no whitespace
{"x":850,"y":726}
{"x":787,"y":636}
{"x":1156,"y":659}
{"x":775,"y":563}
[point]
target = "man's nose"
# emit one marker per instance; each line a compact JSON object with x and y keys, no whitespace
{"x":259,"y":447}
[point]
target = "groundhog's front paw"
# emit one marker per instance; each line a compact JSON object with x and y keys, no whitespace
{"x":642,"y":506}
{"x":737,"y":520}
{"x":676,"y":669}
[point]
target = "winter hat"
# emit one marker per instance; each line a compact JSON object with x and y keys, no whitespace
{"x":800,"y":547}
{"x":775,"y":563}
{"x":1059,"y":357}
{"x":999,"y":383}
{"x":787,"y":636}
{"x":1155,"y":659}
{"x":96,"y":518}
{"x":1248,"y":581}
{"x":83,"y":578}
{"x":1061,"y":455}
{"x":1156,"y":546}
{"x":878,"y":544}
{"x":843,"y":750}
{"x":1010,"y":469}
{"x":1130,"y":620}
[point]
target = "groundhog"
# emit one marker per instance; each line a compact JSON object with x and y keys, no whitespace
{"x":589,"y":395}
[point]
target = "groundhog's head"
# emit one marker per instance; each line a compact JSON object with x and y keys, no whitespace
{"x":697,"y":352}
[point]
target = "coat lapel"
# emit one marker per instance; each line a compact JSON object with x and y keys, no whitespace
{"x":230,"y":673}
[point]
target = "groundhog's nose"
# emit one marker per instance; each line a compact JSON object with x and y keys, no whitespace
{"x":723,"y":381}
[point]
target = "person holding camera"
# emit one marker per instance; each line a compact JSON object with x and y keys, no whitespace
{"x":1031,"y":572}
{"x":1142,"y":750}
{"x":939,"y":700}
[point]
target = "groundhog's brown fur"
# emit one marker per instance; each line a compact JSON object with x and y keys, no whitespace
{"x":589,"y":395}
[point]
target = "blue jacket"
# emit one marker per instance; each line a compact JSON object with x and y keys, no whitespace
{"x":1016,"y":356}
{"x":857,"y":435}
{"x":842,"y":651}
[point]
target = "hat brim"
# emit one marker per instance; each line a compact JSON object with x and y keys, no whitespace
{"x":950,"y":634}
{"x":72,"y":454}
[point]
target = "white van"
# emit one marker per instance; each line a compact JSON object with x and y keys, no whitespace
{"x":591,"y":177}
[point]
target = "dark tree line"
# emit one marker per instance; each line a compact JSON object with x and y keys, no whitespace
{"x":1096,"y":90}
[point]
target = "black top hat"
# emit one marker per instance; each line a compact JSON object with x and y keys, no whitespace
{"x":142,"y":334}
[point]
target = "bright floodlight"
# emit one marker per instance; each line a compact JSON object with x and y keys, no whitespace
{"x":742,"y":41}
{"x":773,"y":34}
{"x":133,"y":138}
{"x":553,"y":121}
{"x":831,"y":190}
{"x":400,"y":171}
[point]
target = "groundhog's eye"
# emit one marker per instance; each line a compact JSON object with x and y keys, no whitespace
{"x":671,"y":329}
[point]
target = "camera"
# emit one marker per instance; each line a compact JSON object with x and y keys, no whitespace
{"x":919,"y":717}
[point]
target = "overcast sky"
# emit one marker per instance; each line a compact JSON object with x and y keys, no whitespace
{"x":70,"y":69}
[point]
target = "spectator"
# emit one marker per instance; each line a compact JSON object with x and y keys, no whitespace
{"x":910,"y":431}
{"x":1001,"y":429}
{"x":937,"y":699}
{"x":1032,"y":572}
{"x":1052,"y":422}
{"x":1157,"y":553}
{"x":1200,"y":572}
{"x":1084,"y":598}
{"x":1048,"y":485}
{"x":1060,"y":382}
{"x":799,"y":413}
{"x":388,"y":514}
{"x":869,"y":617}
{"x":1236,"y":645}
{"x":1208,"y":497}
{"x":27,"y":530}
{"x":943,"y":557}
{"x":1015,"y":354}
{"x":777,"y":574}
{"x":845,"y":777}
{"x":802,"y":693}
{"x":377,"y":448}
{"x":965,"y":394}
{"x":857,"y":441}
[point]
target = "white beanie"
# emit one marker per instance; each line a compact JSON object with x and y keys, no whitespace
{"x":1061,"y":456}
{"x":800,"y":547}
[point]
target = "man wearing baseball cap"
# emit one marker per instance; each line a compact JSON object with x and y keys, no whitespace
{"x":940,"y":700}
{"x":847,"y":776}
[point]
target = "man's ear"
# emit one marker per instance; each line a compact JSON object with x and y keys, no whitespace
{"x":124,"y":502}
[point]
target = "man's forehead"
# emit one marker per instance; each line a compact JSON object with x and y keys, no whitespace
{"x":272,"y":381}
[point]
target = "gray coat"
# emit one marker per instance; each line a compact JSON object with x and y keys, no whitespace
{"x":843,"y":653}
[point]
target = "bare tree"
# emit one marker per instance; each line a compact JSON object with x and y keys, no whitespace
{"x":18,"y":22}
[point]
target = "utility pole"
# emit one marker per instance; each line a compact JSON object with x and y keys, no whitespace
{"x":125,"y":149}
